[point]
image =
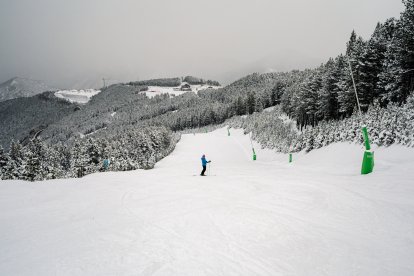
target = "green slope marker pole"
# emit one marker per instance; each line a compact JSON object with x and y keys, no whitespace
{"x":228,"y":132}
{"x":251,"y":143}
{"x":368,"y":159}
{"x":290,"y":158}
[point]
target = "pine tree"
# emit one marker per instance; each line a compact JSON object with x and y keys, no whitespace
{"x":240,"y":107}
{"x":328,"y":105}
{"x":79,"y":160}
{"x":406,"y":49}
{"x":32,"y":156}
{"x":370,"y":66}
{"x":346,"y":95}
{"x":4,"y":159}
{"x":277,"y":92}
{"x":397,"y":78}
{"x":250,"y":103}
{"x":16,"y":166}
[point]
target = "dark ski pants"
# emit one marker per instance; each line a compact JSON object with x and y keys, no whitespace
{"x":204,"y":170}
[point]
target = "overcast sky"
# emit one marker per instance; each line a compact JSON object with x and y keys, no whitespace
{"x":71,"y":43}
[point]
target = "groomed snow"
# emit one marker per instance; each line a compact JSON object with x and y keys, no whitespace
{"x":316,"y":216}
{"x":77,"y":96}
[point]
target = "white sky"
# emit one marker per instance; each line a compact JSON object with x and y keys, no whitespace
{"x":69,"y":42}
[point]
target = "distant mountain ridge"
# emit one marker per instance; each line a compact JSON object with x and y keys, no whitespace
{"x":22,"y":87}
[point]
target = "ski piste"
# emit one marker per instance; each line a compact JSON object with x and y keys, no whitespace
{"x":315,"y":216}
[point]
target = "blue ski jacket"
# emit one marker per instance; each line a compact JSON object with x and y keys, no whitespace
{"x":204,"y":161}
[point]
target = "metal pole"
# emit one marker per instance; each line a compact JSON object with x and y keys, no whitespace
{"x":251,"y":142}
{"x":353,"y":82}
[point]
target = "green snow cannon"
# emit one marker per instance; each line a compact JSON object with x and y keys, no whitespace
{"x":254,"y":155}
{"x":290,"y":158}
{"x":368,"y":161}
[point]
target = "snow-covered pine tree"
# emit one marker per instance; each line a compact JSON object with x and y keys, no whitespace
{"x":250,"y":103}
{"x":277,"y":92}
{"x":79,"y":159}
{"x":312,"y":96}
{"x":370,"y":66}
{"x":406,"y":49}
{"x":397,"y":78}
{"x":346,"y":96}
{"x":16,"y":166}
{"x":93,"y":152}
{"x":4,"y":159}
{"x":32,"y":153}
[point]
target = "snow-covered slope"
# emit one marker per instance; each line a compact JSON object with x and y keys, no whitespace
{"x":315,"y":216}
{"x":158,"y":90}
{"x":22,"y":87}
{"x":78,"y":96}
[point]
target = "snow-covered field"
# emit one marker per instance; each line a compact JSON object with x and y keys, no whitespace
{"x":78,"y":96}
{"x":316,"y":216}
{"x":158,"y":90}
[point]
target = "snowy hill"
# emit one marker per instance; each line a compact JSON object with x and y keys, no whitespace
{"x":178,"y":90}
{"x":77,"y":96}
{"x":21,"y":118}
{"x":315,"y":216}
{"x":22,"y":87}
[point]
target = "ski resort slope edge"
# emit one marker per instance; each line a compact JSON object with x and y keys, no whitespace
{"x":315,"y":216}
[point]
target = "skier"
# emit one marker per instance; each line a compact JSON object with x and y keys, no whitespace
{"x":204,"y":164}
{"x":106,"y":164}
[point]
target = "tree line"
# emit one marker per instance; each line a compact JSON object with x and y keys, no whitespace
{"x":383,"y":68}
{"x":128,"y":150}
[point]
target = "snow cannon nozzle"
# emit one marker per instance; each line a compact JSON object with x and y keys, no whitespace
{"x":366,"y":138}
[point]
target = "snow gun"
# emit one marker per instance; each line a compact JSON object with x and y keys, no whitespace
{"x":368,"y":160}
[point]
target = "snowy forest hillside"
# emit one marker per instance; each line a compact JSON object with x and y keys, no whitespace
{"x":387,"y":126}
{"x":321,"y":102}
{"x":22,"y":87}
{"x":22,"y":118}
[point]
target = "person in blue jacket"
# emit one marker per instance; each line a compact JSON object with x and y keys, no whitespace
{"x":204,"y":164}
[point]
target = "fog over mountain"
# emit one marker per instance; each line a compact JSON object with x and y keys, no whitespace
{"x":22,"y":87}
{"x":73,"y":44}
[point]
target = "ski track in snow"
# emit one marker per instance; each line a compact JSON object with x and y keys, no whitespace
{"x":315,"y":216}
